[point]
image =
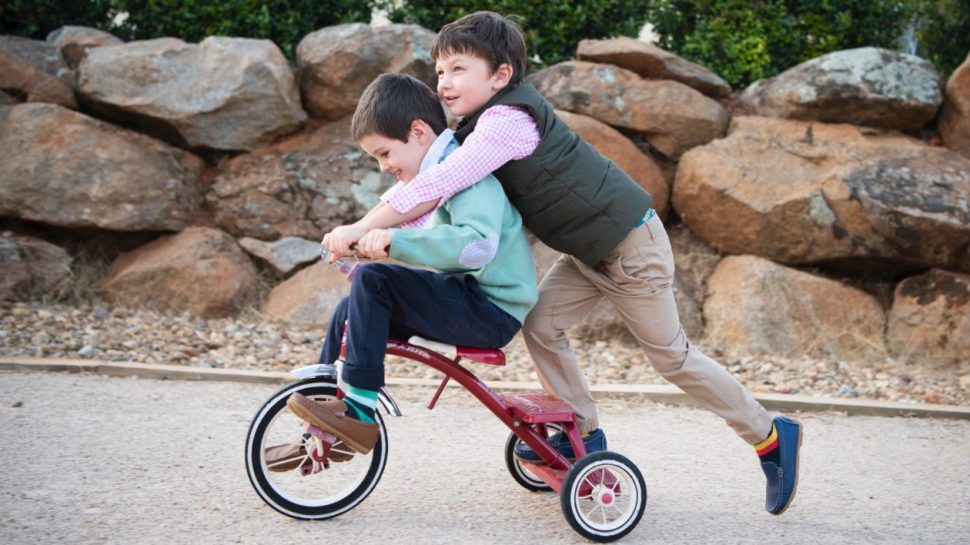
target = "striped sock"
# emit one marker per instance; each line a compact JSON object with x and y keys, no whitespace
{"x":361,"y":403}
{"x":768,"y":449}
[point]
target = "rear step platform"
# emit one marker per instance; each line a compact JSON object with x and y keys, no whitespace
{"x":534,"y":408}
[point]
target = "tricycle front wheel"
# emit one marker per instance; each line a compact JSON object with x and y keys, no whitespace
{"x":286,"y":485}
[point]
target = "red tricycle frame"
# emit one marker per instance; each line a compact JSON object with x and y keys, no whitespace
{"x":526,"y":415}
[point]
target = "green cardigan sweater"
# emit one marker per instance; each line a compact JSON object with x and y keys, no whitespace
{"x":479,"y":233}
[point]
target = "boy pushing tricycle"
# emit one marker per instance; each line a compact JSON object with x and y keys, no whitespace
{"x":614,"y":244}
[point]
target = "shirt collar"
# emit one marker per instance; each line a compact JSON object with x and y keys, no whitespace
{"x":440,"y":148}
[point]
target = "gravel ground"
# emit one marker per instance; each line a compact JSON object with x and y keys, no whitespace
{"x":96,"y":460}
{"x":253,"y":342}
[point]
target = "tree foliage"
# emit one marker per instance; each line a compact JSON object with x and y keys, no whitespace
{"x":942,"y":32}
{"x":285,"y":22}
{"x":36,"y":18}
{"x":552,"y":29}
{"x":744,"y":40}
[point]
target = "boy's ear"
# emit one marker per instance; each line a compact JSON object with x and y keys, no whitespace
{"x":502,"y":76}
{"x":420,"y":130}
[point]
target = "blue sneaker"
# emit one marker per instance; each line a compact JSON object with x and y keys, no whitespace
{"x":783,"y":476}
{"x":594,"y":441}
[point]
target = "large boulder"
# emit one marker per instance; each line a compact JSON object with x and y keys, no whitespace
{"x":336,"y":63}
{"x":224,"y":93}
{"x":63,"y":168}
{"x":755,"y":306}
{"x":624,"y":153}
{"x":31,"y":267}
{"x":309,"y":296}
{"x":865,"y":86}
{"x":930,"y":319}
{"x":201,"y":271}
{"x":304,"y":186}
{"x":34,"y":71}
{"x":671,"y":116}
{"x":285,"y":254}
{"x":74,"y":41}
{"x":810,"y":193}
{"x":954,"y":119}
{"x":652,"y":62}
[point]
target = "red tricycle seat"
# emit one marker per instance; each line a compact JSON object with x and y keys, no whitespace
{"x":481,"y":355}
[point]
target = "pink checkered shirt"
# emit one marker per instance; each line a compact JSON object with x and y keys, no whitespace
{"x":502,"y":134}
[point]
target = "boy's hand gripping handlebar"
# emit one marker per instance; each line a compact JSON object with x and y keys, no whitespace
{"x":347,"y":268}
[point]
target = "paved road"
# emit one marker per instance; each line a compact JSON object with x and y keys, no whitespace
{"x":90,"y":459}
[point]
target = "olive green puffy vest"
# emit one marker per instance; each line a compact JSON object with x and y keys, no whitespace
{"x":572,"y":197}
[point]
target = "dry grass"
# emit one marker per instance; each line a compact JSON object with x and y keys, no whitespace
{"x":89,"y":268}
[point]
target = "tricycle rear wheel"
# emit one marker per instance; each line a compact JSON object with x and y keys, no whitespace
{"x":603,"y":496}
{"x":522,"y":475}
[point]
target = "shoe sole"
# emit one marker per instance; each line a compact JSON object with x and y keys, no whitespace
{"x":798,"y":473}
{"x":286,"y":463}
{"x":307,"y":416}
{"x":290,"y":463}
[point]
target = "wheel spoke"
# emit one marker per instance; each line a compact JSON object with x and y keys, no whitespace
{"x":342,"y":450}
{"x":616,"y":483}
{"x":282,"y":462}
{"x":602,"y":513}
{"x":619,"y":512}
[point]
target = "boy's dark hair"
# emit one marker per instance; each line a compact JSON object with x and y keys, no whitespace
{"x":391,"y":103}
{"x":486,"y":34}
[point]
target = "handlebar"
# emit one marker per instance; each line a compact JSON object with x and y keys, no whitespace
{"x":347,"y":268}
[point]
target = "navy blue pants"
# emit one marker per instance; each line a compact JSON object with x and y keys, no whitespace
{"x":391,"y":301}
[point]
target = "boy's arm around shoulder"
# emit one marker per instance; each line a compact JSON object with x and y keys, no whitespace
{"x":503,"y":134}
{"x":469,"y":239}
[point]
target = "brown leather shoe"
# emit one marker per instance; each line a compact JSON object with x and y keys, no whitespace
{"x":282,"y":458}
{"x":360,"y":436}
{"x":339,"y":451}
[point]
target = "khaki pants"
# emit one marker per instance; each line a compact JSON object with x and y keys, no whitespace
{"x":636,"y":277}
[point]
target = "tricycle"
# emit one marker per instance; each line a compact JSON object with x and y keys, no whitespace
{"x":306,"y":473}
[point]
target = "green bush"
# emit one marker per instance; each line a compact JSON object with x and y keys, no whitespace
{"x":285,"y":22}
{"x":942,"y":32}
{"x":742,"y":40}
{"x":745,"y":40}
{"x":37,"y":18}
{"x":552,"y":29}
